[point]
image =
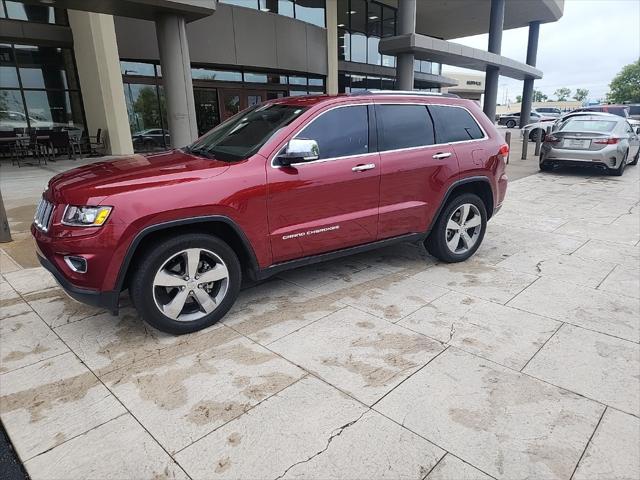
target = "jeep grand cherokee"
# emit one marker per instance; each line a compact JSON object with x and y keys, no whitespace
{"x":285,"y":183}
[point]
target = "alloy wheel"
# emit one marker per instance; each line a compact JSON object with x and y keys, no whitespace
{"x":463,"y":228}
{"x":190,"y":284}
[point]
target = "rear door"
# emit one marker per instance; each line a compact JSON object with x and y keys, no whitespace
{"x":330,"y":203}
{"x":456,"y":127}
{"x":414,"y":170}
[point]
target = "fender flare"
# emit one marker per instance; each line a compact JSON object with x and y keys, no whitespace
{"x":145,"y":232}
{"x":452,"y":187}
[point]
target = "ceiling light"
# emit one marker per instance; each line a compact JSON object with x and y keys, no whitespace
{"x":351,"y":12}
{"x":373,"y":17}
{"x":265,"y":9}
{"x":341,"y":25}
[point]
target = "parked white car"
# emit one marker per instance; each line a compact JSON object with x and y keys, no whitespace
{"x":540,"y":128}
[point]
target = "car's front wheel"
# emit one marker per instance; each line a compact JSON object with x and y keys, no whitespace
{"x":459,"y":230}
{"x":511,"y":123}
{"x":186,"y":283}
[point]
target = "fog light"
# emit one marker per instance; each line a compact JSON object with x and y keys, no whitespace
{"x":613,"y":161}
{"x":77,"y":264}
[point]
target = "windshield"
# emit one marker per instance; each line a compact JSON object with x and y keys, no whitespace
{"x":580,"y":125}
{"x":243,"y":134}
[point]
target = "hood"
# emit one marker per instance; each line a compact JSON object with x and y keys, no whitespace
{"x":91,"y":184}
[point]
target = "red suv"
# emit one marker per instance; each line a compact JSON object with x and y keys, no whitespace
{"x":285,"y":183}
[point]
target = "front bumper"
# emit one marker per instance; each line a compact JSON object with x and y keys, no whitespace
{"x":96,"y":298}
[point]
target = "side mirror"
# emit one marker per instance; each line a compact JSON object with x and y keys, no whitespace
{"x":299,"y":150}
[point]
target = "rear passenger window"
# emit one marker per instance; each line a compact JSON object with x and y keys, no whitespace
{"x":340,"y":132}
{"x":404,"y":126}
{"x":454,"y":124}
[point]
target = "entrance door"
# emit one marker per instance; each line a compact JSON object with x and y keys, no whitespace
{"x":330,"y":203}
{"x":207,"y":114}
{"x":232,"y":102}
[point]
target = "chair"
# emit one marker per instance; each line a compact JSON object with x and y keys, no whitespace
{"x":96,"y":143}
{"x":60,"y":141}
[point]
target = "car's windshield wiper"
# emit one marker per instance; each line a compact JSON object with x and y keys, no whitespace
{"x":203,"y":152}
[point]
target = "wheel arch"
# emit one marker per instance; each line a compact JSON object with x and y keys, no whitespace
{"x":479,"y":185}
{"x":218,"y":225}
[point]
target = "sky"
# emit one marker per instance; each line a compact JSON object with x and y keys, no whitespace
{"x":586,"y":48}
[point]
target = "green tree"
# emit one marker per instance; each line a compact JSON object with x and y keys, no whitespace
{"x":625,"y":86}
{"x":518,"y":98}
{"x":581,"y":94}
{"x":562,"y":94}
{"x":538,"y":96}
{"x":146,"y":108}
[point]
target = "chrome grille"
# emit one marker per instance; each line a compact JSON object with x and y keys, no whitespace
{"x":43,"y":216}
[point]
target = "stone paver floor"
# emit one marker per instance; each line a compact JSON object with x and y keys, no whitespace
{"x":523,"y":362}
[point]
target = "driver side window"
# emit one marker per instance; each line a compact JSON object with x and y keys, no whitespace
{"x":341,"y":132}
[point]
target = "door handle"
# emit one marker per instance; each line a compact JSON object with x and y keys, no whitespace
{"x":440,"y":156}
{"x":362,"y":168}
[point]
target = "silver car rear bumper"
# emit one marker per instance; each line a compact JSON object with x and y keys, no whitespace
{"x":609,"y":156}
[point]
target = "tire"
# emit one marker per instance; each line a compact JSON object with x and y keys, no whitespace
{"x":511,"y":123}
{"x":635,"y":159}
{"x":441,"y":237}
{"x":148,"y":145}
{"x":533,"y":135}
{"x":544,"y":166}
{"x":617,"y":172}
{"x":170,"y":262}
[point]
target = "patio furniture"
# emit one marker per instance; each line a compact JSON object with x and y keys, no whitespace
{"x":61,"y":142}
{"x":97,"y":142}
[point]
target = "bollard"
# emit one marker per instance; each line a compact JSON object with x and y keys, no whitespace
{"x":525,"y":146}
{"x":5,"y":233}
{"x":507,"y":139}
{"x":538,"y":142}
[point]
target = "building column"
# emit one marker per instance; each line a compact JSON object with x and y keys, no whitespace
{"x":406,"y":26}
{"x":98,"y":63}
{"x":496,"y":24}
{"x":171,"y":31}
{"x":527,"y":89}
{"x":332,"y":46}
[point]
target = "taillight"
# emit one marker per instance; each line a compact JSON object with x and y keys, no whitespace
{"x":607,"y":141}
{"x":551,"y":139}
{"x":504,"y":150}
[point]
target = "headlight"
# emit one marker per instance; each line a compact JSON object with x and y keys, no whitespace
{"x":85,"y":216}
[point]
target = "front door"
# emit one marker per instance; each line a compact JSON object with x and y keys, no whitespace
{"x":207,"y":113}
{"x":231,"y":102}
{"x":330,"y":203}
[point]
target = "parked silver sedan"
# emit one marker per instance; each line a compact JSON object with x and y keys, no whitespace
{"x":607,"y":142}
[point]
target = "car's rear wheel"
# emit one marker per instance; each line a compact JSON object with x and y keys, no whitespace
{"x":186,"y":283}
{"x":511,"y":123}
{"x":459,"y":230}
{"x":617,"y":172}
{"x":635,"y":159}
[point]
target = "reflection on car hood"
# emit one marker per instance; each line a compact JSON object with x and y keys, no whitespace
{"x":99,"y":180}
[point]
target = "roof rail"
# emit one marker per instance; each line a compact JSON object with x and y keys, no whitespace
{"x":405,"y":92}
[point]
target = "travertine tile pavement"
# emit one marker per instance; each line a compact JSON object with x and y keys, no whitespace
{"x":523,"y":362}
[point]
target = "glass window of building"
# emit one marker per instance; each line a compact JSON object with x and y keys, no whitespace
{"x":310,"y":11}
{"x":374,"y":19}
{"x":281,"y":7}
{"x":344,"y":45}
{"x":343,"y":14}
{"x":359,"y":47}
{"x":358,"y":16}
{"x":34,"y":13}
{"x":219,"y":75}
{"x":137,"y":68}
{"x":39,"y":89}
{"x":252,"y":77}
{"x":373,"y":55}
{"x":242,"y":3}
